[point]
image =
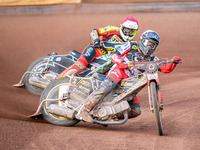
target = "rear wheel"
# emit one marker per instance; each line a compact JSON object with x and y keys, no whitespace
{"x":154,"y":97}
{"x":36,"y":69}
{"x":36,"y":66}
{"x":54,"y":91}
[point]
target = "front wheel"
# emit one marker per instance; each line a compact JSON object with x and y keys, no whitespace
{"x":154,"y":97}
{"x":53,"y":91}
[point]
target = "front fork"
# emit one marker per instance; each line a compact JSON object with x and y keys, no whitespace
{"x":160,"y":99}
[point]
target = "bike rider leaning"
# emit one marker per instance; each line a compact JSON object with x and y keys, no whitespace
{"x":148,"y":43}
{"x":125,"y":33}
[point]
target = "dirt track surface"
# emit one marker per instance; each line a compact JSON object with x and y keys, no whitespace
{"x":24,"y":38}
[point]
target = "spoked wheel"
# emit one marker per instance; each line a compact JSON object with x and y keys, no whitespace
{"x":36,"y":66}
{"x":52,"y":92}
{"x":154,"y":97}
{"x":36,"y":70}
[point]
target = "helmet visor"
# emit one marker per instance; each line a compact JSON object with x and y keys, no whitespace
{"x":129,"y":32}
{"x":150,"y":43}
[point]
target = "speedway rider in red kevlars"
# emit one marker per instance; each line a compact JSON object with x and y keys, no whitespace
{"x":125,"y":33}
{"x":129,"y":52}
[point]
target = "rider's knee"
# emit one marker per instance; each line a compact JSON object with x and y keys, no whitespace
{"x":88,"y":54}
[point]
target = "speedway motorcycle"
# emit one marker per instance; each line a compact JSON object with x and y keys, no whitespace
{"x":62,"y":100}
{"x":45,"y":69}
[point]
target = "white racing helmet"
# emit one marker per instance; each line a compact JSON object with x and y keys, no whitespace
{"x":129,"y":28}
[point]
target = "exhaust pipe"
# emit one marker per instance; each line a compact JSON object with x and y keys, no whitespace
{"x":38,"y":83}
{"x":61,"y":111}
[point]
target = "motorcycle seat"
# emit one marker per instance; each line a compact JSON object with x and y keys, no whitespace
{"x":75,"y":53}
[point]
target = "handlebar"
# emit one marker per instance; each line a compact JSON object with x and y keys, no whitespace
{"x":175,"y":62}
{"x":105,"y":44}
{"x":151,"y":66}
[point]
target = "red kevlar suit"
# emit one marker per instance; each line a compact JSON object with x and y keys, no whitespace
{"x":129,"y":53}
{"x":121,"y":70}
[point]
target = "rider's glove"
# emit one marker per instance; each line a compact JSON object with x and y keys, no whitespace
{"x":96,"y":43}
{"x":169,"y":67}
{"x":176,"y":58}
{"x":125,"y":65}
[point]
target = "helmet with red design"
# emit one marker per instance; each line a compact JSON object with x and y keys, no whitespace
{"x":129,"y":28}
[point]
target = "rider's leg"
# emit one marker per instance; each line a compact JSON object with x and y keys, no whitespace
{"x":88,"y":55}
{"x":135,"y":108}
{"x":76,"y":68}
{"x":106,"y":86}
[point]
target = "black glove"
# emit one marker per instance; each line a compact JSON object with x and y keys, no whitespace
{"x":96,"y":43}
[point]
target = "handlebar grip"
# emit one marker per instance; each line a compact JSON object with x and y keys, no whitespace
{"x":175,"y":62}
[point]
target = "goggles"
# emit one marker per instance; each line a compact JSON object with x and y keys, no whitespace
{"x":129,"y":32}
{"x":150,"y":43}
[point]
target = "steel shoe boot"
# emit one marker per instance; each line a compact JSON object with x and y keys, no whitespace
{"x":106,"y":86}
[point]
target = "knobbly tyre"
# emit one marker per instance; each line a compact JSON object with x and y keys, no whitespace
{"x":45,"y":69}
{"x":62,"y":100}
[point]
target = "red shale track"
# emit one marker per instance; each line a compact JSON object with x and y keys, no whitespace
{"x":23,"y":38}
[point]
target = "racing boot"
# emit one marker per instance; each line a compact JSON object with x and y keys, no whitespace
{"x":135,"y":108}
{"x":106,"y":86}
{"x":72,"y":70}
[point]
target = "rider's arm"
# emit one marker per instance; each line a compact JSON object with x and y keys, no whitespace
{"x":96,"y":32}
{"x":120,"y":55}
{"x":115,"y":58}
{"x":169,"y":67}
{"x":95,"y":37}
{"x":106,"y":31}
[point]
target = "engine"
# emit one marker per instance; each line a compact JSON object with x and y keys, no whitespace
{"x":105,"y":112}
